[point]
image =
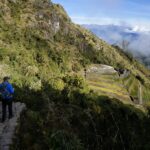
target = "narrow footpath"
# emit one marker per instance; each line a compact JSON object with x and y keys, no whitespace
{"x":7,"y":129}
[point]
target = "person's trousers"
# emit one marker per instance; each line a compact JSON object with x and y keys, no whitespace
{"x":6,"y":104}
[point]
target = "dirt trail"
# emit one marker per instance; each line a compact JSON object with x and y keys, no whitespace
{"x":7,"y":129}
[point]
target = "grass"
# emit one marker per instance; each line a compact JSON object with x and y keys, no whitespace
{"x":132,"y":85}
{"x":108,"y":84}
{"x":115,"y":87}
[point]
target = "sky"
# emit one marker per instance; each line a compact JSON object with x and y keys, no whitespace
{"x":119,"y":12}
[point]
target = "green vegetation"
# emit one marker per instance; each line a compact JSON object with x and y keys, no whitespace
{"x":109,"y":85}
{"x":75,"y":118}
{"x":44,"y":51}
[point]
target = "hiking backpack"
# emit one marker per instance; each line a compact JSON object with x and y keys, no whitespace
{"x":5,"y":94}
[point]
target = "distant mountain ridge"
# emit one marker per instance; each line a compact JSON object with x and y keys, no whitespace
{"x":137,"y":41}
{"x":113,"y":33}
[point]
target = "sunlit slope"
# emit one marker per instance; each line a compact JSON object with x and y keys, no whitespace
{"x":106,"y":81}
{"x":133,"y":85}
{"x":106,"y":85}
{"x":38,"y":41}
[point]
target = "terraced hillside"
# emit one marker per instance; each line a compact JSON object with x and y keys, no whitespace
{"x":133,"y":86}
{"x":106,"y":81}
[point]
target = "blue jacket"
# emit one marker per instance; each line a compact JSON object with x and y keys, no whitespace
{"x":9,"y":89}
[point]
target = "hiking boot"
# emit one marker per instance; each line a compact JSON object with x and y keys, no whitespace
{"x":2,"y":120}
{"x":11,"y":116}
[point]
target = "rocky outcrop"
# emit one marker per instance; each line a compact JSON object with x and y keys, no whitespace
{"x":101,"y":69}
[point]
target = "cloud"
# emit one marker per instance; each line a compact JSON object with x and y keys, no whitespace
{"x":138,"y":40}
{"x":141,"y":44}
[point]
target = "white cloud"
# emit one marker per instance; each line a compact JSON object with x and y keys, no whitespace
{"x":141,"y":44}
{"x":138,"y":41}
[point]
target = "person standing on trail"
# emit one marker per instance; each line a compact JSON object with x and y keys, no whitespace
{"x":6,"y":91}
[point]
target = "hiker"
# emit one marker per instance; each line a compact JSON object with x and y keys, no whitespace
{"x":6,"y":91}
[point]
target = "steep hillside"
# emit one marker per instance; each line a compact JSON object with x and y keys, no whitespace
{"x":44,"y":52}
{"x":38,"y":41}
{"x":132,"y":40}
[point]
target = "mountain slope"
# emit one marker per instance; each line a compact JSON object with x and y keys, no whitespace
{"x":38,"y":41}
{"x":37,"y":29}
{"x":44,"y":51}
{"x":129,"y":38}
{"x":114,"y":34}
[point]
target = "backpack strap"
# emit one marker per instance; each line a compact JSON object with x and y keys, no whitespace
{"x":5,"y":93}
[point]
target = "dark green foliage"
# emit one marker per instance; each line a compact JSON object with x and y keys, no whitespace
{"x":85,"y":122}
{"x":62,"y":140}
{"x":140,"y":79}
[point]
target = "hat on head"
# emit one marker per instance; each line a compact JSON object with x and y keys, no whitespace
{"x":6,"y":78}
